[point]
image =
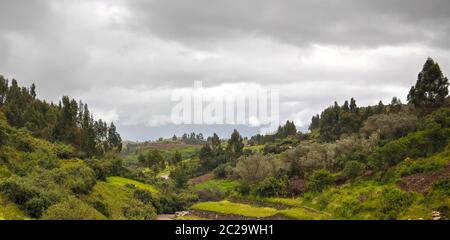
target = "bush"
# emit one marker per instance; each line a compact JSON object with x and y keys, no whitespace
{"x":101,"y":208}
{"x":79,"y":178}
{"x":353,"y":169}
{"x":443,"y":185}
{"x":408,"y":167}
{"x":37,"y":205}
{"x":108,"y":166}
{"x":296,"y":186}
{"x":170,"y":203}
{"x":270,"y":187}
{"x":18,"y":190}
{"x":180,"y":176}
{"x":244,"y":188}
{"x":223,"y":171}
{"x":255,"y":168}
{"x":143,"y":196}
{"x":137,"y":210}
{"x":393,"y":202}
{"x":435,"y":135}
{"x":319,"y":180}
{"x":72,"y":209}
{"x":273,"y":148}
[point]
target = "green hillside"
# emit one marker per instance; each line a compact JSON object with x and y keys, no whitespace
{"x":386,"y":161}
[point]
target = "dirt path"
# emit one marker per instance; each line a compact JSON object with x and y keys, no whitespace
{"x":422,"y":182}
{"x":165,"y":217}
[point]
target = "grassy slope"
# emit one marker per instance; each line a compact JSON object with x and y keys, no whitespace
{"x":120,"y":181}
{"x":115,"y":198}
{"x":223,"y":186}
{"x":359,"y":200}
{"x":226,"y":207}
{"x":248,"y":210}
{"x":10,"y":211}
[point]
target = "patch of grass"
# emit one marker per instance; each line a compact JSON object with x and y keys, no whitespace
{"x":255,"y":149}
{"x":164,"y":172}
{"x":129,"y":182}
{"x":223,"y":186}
{"x":226,"y":207}
{"x":10,"y":211}
{"x":113,"y":196}
{"x":293,"y":202}
{"x":303,"y":214}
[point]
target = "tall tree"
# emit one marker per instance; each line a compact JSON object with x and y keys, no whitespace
{"x":431,"y":88}
{"x":315,"y":122}
{"x":114,"y":139}
{"x":353,"y":107}
{"x":235,"y":145}
{"x":33,"y":91}
{"x":3,"y":89}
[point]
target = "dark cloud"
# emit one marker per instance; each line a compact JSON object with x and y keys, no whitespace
{"x":125,"y":57}
{"x":351,"y":23}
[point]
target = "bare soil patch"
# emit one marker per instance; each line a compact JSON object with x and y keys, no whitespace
{"x":422,"y":182}
{"x":201,"y":179}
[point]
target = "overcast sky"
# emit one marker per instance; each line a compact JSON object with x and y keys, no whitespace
{"x":124,"y":58}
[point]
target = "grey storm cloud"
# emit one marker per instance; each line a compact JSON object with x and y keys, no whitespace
{"x":351,"y":23}
{"x":125,"y":57}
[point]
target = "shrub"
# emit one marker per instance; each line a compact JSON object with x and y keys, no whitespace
{"x":18,"y":190}
{"x":296,"y":186}
{"x":223,"y":171}
{"x":348,"y":208}
{"x":170,"y":203}
{"x":244,"y":188}
{"x":390,"y":126}
{"x":408,"y":167}
{"x":319,"y":180}
{"x":393,"y":201}
{"x":37,"y":205}
{"x":270,"y":187}
{"x":72,"y":209}
{"x":255,"y":168}
{"x":353,"y":169}
{"x":79,"y":178}
{"x":101,"y":208}
{"x":137,"y":210}
{"x":273,"y":148}
{"x":180,"y":176}
{"x":143,"y":196}
{"x":443,"y":185}
{"x":108,"y":166}
{"x":435,"y":135}
{"x":440,"y":117}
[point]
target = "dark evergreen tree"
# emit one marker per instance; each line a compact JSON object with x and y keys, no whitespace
{"x":235,"y":145}
{"x":395,"y":106}
{"x":315,"y":122}
{"x":431,"y":88}
{"x":114,"y":139}
{"x":33,"y":91}
{"x":353,"y":107}
{"x":346,"y":107}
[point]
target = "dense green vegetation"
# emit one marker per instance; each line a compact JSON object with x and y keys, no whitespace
{"x":374,"y":162}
